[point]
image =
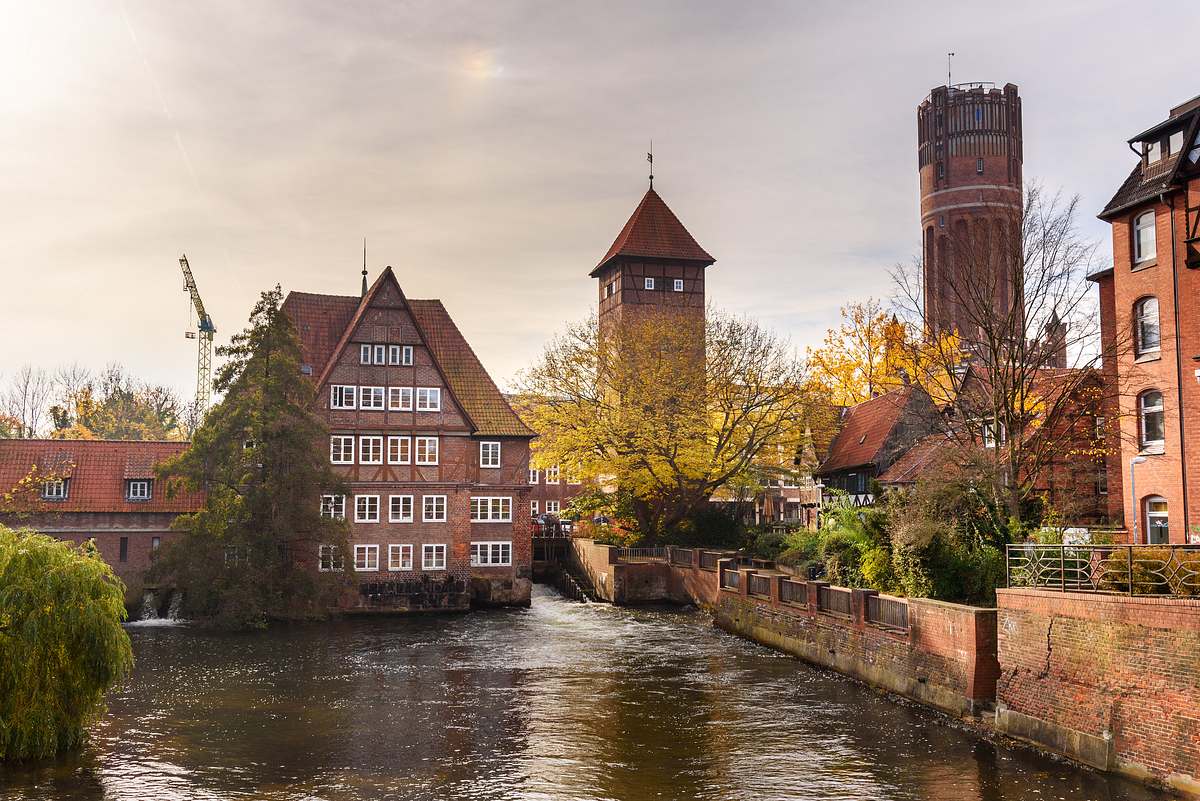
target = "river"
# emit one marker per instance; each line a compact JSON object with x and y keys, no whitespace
{"x":559,"y":701}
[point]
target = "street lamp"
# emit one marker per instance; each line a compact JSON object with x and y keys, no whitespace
{"x":1137,"y":513}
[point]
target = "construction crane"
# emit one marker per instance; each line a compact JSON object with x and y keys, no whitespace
{"x":204,"y":341}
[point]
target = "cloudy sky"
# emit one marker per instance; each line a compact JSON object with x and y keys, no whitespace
{"x":491,"y":151}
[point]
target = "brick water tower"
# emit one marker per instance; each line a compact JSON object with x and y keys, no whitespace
{"x":969,"y":152}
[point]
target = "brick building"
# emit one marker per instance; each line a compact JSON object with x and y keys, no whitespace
{"x":969,"y":153}
{"x":1150,"y":318}
{"x":92,"y":489}
{"x":435,"y":459}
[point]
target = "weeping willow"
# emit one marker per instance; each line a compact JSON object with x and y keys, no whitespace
{"x":61,"y":642}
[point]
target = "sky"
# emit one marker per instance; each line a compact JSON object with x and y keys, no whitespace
{"x":491,"y":152}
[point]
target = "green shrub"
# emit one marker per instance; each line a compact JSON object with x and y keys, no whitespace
{"x":1156,"y":571}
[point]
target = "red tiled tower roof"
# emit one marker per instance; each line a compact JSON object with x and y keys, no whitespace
{"x":653,"y":231}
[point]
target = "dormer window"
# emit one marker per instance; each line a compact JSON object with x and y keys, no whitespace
{"x":1175,"y":143}
{"x":1153,"y":152}
{"x":1144,"y":248}
{"x":55,"y":490}
{"x":138,"y":489}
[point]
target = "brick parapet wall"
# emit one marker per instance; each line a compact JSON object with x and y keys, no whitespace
{"x":1112,"y":681}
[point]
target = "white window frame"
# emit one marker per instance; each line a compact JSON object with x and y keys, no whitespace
{"x":1152,"y":516}
{"x":55,"y":489}
{"x":1140,"y":224}
{"x":372,"y":398}
{"x":406,"y":356}
{"x":552,"y":474}
{"x":432,"y":555}
{"x":366,"y":508}
{"x":1153,"y":445}
{"x":396,"y":510}
{"x":400,"y":557}
{"x":380,"y":354}
{"x":370,"y":449}
{"x":496,"y":553}
{"x":330,"y":555}
{"x":533,"y":508}
{"x":678,"y":285}
{"x":333,"y":507}
{"x":394,"y":355}
{"x":364,"y":354}
{"x":338,"y":394}
{"x":429,"y":399}
{"x":399,"y":450}
{"x":423,"y":444}
{"x":144,"y":485}
{"x":370,"y":558}
{"x":552,"y":508}
{"x":489,"y":454}
{"x":533,"y":475}
{"x":647,"y":282}
{"x":438,"y":512}
{"x":341,"y":445}
{"x":400,"y":399}
{"x":1141,"y":318}
{"x":491,"y":509}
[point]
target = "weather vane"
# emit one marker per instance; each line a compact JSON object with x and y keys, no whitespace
{"x":949,"y":56}
{"x":650,"y":158}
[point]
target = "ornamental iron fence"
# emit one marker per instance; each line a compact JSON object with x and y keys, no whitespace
{"x":1172,"y":570}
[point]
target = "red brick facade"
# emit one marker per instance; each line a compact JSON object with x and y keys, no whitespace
{"x":1153,"y":217}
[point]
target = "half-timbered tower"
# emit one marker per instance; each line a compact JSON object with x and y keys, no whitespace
{"x":435,"y":460}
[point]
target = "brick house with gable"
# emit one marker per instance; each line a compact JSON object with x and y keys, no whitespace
{"x":435,"y":460}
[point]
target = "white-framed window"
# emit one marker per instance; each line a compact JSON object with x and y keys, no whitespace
{"x":400,"y":557}
{"x":364,"y":354}
{"x":406,"y":355}
{"x":489,"y":454}
{"x":678,"y":285}
{"x":400,"y":399}
{"x":491,"y":510}
{"x":393,"y":355}
{"x":433,"y":508}
{"x":341,"y":449}
{"x":490,"y":554}
{"x":429,"y":399}
{"x":333,"y":506}
{"x":433,"y":557}
{"x":648,"y":283}
{"x":400,"y":509}
{"x":533,"y":475}
{"x":1144,"y":247}
{"x":329,"y":558}
{"x":366,"y":508}
{"x":381,"y":354}
{"x":993,"y":433}
{"x":552,"y":475}
{"x":55,"y":490}
{"x":370,"y":450}
{"x":1151,"y":421}
{"x":399,"y":450}
{"x":552,"y":507}
{"x":366,"y":557}
{"x":370,"y":398}
{"x":427,"y":450}
{"x":139,"y":489}
{"x":1147,"y":336}
{"x":533,"y":508}
{"x":341,"y":396}
{"x":1158,"y":529}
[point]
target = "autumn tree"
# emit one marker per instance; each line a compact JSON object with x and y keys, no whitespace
{"x":24,"y":401}
{"x":113,"y":405}
{"x":248,"y":555}
{"x":665,"y":413}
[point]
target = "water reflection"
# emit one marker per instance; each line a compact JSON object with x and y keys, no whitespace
{"x":560,"y":701}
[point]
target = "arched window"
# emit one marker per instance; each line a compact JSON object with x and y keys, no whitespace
{"x":1146,"y":335}
{"x":1143,"y":237}
{"x":1150,"y":420}
{"x":1158,"y":530}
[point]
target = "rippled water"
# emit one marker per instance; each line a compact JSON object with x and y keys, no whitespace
{"x":560,"y":701}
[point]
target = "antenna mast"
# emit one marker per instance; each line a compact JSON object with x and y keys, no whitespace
{"x":949,"y":83}
{"x":203,"y":341}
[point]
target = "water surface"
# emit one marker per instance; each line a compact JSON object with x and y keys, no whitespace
{"x":559,"y":701}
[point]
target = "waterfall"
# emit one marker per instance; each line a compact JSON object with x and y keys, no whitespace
{"x":175,"y":605}
{"x":149,"y":606}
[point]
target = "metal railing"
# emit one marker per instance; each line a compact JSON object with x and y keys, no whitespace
{"x":834,"y":599}
{"x":708,"y":560}
{"x":1117,"y":569}
{"x":682,"y":557}
{"x":641,"y":554}
{"x":886,"y":611}
{"x":760,"y":585}
{"x":793,"y":592}
{"x":731,"y":580}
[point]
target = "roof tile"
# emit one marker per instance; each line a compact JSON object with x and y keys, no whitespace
{"x":653,"y":231}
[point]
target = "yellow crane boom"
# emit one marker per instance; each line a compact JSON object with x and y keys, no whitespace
{"x":203,"y":341}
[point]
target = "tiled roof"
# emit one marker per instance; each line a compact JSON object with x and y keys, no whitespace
{"x":653,"y":231}
{"x":324,"y":324}
{"x":865,"y":429}
{"x":97,"y":470}
{"x":924,"y":453}
{"x":1138,"y":188}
